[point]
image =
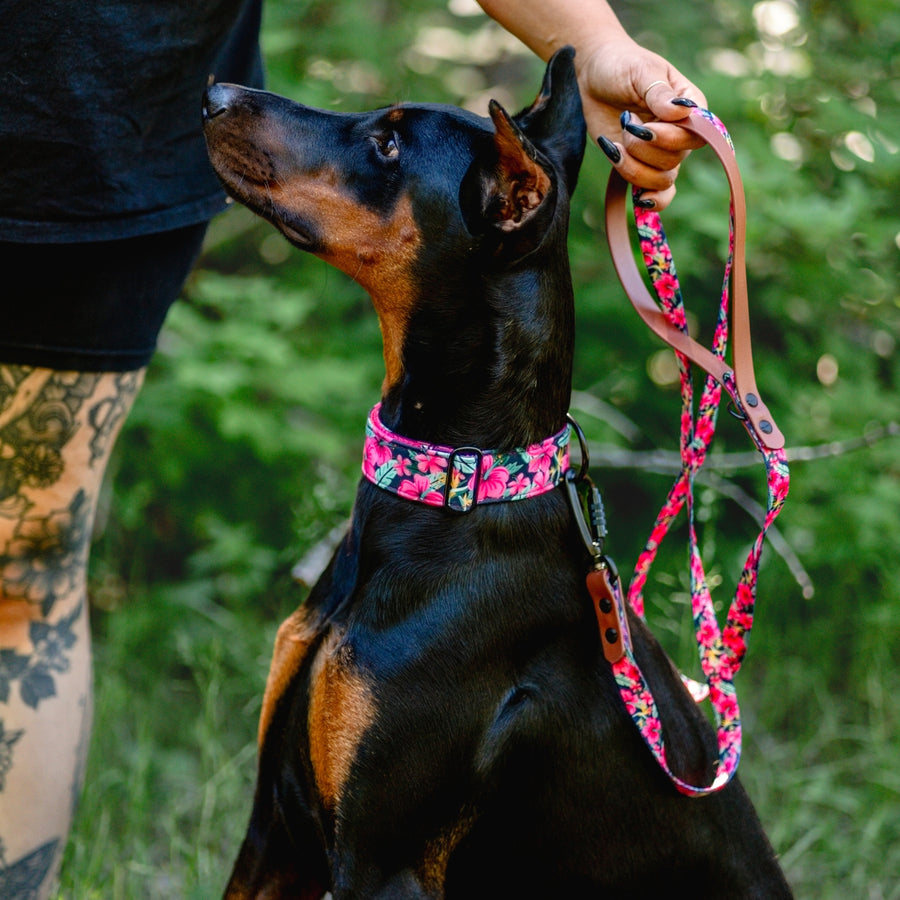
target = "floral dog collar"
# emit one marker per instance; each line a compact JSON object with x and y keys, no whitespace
{"x":460,"y":478}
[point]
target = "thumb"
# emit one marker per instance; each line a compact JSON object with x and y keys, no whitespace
{"x":669,"y":101}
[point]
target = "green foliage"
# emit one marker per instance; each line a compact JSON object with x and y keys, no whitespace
{"x":243,"y":450}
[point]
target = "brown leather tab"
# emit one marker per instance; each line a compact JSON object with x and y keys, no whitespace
{"x":633,"y":282}
{"x":607,"y":612}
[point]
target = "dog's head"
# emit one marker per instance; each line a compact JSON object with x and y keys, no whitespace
{"x":404,"y":197}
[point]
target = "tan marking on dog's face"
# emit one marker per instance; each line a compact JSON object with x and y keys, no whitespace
{"x":376,"y":251}
{"x":432,"y":872}
{"x":252,"y":155}
{"x":292,"y":643}
{"x":341,"y":709}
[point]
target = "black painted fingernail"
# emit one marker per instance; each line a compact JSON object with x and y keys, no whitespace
{"x":645,"y":204}
{"x":683,"y":101}
{"x":625,"y":118}
{"x":645,"y":134}
{"x":610,"y":149}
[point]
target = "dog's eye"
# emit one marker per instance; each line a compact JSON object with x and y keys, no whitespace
{"x":388,"y":146}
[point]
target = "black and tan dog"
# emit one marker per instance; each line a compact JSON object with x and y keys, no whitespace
{"x":439,"y":719}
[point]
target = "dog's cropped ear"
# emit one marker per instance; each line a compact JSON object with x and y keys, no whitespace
{"x":517,"y":185}
{"x":554,"y":123}
{"x":514,"y":182}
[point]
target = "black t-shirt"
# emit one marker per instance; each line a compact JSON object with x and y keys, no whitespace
{"x":100,"y":112}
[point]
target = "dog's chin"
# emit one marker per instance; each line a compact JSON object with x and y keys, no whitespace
{"x":245,"y":190}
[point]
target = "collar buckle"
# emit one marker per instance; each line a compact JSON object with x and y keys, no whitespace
{"x":460,"y":490}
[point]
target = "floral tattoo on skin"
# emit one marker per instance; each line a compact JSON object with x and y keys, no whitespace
{"x":43,"y":555}
{"x":47,"y":420}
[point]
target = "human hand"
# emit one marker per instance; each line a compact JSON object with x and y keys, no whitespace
{"x":630,"y":95}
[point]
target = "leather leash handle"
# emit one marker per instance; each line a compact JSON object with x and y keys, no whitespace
{"x":744,"y":387}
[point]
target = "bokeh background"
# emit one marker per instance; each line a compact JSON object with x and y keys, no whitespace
{"x":242,"y":454}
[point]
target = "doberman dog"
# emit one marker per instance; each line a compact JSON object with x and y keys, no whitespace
{"x":439,"y":719}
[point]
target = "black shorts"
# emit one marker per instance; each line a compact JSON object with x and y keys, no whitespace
{"x":92,"y":307}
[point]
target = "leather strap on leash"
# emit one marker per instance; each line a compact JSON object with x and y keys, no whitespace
{"x":721,"y":651}
{"x":666,"y":322}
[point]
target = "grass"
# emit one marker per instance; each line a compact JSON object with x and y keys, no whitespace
{"x":171,"y":769}
{"x":170,"y":775}
{"x":831,"y":800}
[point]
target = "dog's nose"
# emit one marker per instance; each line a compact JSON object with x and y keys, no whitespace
{"x":216,"y":100}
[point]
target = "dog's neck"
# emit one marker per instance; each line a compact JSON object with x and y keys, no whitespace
{"x":488,"y":359}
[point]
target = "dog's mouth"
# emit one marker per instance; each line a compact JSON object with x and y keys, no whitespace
{"x":241,"y":177}
{"x":250,"y":170}
{"x":300,"y":233}
{"x":255,"y":193}
{"x":299,"y":236}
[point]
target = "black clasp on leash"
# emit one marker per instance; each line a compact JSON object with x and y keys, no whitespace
{"x":590,"y":518}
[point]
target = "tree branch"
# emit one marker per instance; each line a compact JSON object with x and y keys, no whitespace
{"x":668,"y":462}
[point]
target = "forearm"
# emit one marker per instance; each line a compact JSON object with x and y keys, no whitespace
{"x":546,"y":25}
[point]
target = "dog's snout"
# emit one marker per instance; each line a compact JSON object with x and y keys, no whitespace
{"x":216,"y":100}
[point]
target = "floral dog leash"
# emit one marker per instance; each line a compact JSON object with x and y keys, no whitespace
{"x":721,"y":651}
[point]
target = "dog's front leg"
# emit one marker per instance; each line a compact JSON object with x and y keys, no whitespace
{"x":277,"y":862}
{"x":271,"y":865}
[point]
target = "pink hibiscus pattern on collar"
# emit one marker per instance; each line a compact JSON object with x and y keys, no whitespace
{"x":463,"y":477}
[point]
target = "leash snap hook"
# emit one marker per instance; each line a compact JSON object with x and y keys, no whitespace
{"x":591,"y":536}
{"x":603,"y":578}
{"x":592,"y":525}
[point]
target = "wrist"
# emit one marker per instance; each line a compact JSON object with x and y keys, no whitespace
{"x":596,"y":57}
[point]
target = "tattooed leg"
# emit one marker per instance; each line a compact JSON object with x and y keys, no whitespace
{"x":56,"y":433}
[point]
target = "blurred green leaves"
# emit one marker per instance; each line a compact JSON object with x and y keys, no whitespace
{"x":253,"y":409}
{"x":243,"y":450}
